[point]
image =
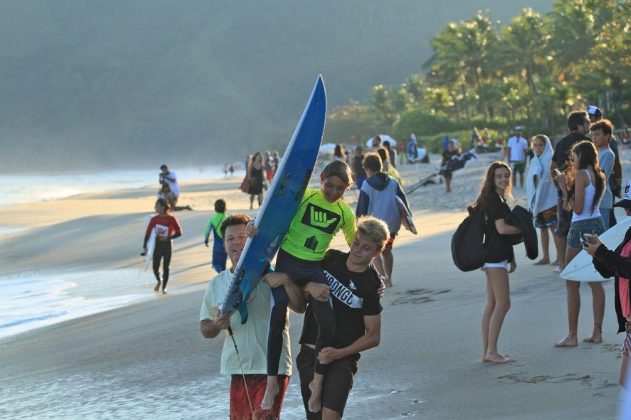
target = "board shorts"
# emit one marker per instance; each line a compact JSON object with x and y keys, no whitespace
{"x":390,"y":241}
{"x":338,"y":381}
{"x":501,"y":264}
{"x":239,"y":405}
{"x":300,"y":271}
{"x":593,"y":226}
{"x":547,"y":218}
{"x":626,"y":346}
{"x":519,"y":166}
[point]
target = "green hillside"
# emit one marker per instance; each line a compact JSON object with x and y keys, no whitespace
{"x":117,"y":83}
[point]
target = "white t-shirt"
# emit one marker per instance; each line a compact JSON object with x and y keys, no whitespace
{"x":171,"y":179}
{"x":518,"y":147}
{"x":251,"y":337}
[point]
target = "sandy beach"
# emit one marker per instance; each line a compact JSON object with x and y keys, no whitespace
{"x":148,"y":359}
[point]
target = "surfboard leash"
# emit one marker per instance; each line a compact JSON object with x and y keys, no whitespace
{"x":245,"y":384}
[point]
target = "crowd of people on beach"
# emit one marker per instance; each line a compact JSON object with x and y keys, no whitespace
{"x":570,"y":190}
{"x":570,"y":193}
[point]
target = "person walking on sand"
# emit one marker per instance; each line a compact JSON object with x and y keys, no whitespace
{"x":617,"y":264}
{"x":542,"y":195}
{"x":578,"y":124}
{"x":452,"y":151}
{"x":321,"y":215}
{"x":359,"y":173}
{"x":355,"y":292}
{"x":167,"y":228}
{"x":500,"y":260}
{"x":256,"y":179}
{"x":583,"y":187}
{"x":378,"y":198}
{"x":214,"y":225}
{"x":517,"y":147}
{"x":248,"y":374}
{"x":601,"y":132}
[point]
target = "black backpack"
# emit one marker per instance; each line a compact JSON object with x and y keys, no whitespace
{"x":468,"y":243}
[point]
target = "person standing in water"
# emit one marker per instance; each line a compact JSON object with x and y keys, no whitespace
{"x":167,"y":228}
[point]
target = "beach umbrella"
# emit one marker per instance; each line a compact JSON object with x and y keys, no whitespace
{"x":384,"y":139}
{"x":327,"y":148}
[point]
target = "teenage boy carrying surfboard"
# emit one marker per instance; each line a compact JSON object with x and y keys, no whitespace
{"x":322,"y":213}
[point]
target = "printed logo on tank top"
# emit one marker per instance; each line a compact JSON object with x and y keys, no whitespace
{"x":320,"y":218}
{"x":162,"y":231}
{"x":343,"y":293}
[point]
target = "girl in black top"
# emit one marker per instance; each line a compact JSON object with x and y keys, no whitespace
{"x":500,"y":259}
{"x":255,"y":179}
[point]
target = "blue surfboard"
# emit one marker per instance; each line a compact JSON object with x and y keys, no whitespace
{"x":280,"y":203}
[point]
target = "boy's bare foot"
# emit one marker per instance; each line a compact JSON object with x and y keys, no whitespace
{"x":555,"y":262}
{"x":496,"y":358}
{"x":569,"y":341}
{"x":543,"y":261}
{"x":271,"y":390}
{"x":315,"y":401}
{"x":157,"y":288}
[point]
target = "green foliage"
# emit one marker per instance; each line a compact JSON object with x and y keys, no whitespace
{"x":535,"y":69}
{"x":420,"y":121}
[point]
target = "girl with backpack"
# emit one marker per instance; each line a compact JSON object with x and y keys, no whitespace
{"x":500,"y":260}
{"x":582,"y":187}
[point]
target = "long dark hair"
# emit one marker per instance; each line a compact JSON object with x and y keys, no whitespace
{"x":488,"y":185}
{"x":587,"y":156}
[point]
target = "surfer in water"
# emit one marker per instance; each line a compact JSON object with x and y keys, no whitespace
{"x":166,"y":228}
{"x":322,"y":213}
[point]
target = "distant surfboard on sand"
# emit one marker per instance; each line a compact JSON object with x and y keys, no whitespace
{"x":406,"y":217}
{"x":280,"y":204}
{"x":581,"y":267}
{"x":151,"y":246}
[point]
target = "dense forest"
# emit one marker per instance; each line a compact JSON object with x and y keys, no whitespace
{"x":115,"y":83}
{"x":532,"y":70}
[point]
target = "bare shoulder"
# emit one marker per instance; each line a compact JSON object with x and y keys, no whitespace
{"x":580,"y":177}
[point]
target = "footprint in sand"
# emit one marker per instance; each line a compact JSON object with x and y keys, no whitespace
{"x":523,"y":378}
{"x":419,"y":295}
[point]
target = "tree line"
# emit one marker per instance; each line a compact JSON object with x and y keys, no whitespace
{"x":533,"y":70}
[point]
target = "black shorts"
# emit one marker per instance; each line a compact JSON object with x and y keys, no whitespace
{"x":564,"y":220}
{"x":300,"y":271}
{"x":338,"y":381}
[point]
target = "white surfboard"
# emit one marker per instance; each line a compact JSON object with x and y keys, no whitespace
{"x":581,"y":267}
{"x":151,"y":246}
